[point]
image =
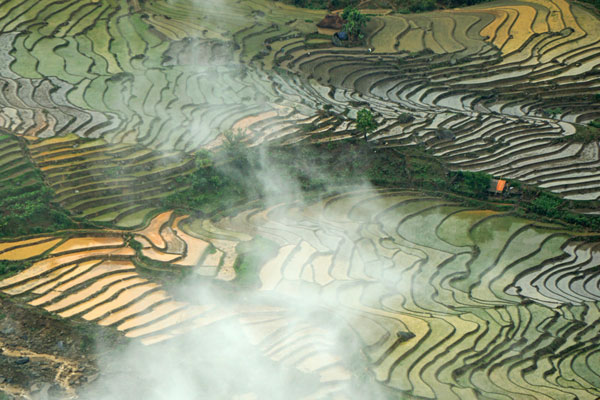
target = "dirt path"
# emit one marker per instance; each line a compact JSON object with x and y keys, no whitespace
{"x":45,"y":357}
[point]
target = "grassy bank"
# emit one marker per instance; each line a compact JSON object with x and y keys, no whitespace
{"x":26,"y":205}
{"x":403,"y":6}
{"x":237,"y":176}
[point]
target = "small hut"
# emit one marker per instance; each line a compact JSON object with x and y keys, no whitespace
{"x":331,"y":24}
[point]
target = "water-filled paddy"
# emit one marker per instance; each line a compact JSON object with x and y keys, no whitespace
{"x":387,"y":293}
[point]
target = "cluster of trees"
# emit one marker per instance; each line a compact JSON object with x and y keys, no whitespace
{"x":355,"y":23}
{"x":460,"y":3}
{"x":29,"y":209}
{"x":547,"y":204}
{"x":365,"y":122}
{"x":323,"y":4}
{"x":26,"y":206}
{"x":403,"y":6}
{"x":416,"y":6}
{"x":339,"y":4}
{"x":209,"y":186}
{"x":472,"y":184}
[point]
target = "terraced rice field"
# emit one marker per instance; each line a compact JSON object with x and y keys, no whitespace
{"x":14,"y":166}
{"x":95,"y":277}
{"x":417,"y":297}
{"x":139,"y":75}
{"x":444,"y":301}
{"x":491,"y":98}
{"x":119,"y":184}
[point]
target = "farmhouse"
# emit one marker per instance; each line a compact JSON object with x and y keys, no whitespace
{"x":331,"y":24}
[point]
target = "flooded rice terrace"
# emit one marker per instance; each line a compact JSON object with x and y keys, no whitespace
{"x":363,"y":292}
{"x":228,"y":200}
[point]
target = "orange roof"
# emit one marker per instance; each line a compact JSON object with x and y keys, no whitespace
{"x":500,"y":185}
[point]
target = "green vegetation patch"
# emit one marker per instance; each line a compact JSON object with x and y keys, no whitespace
{"x":595,"y":3}
{"x":9,"y":267}
{"x":115,"y":184}
{"x":584,"y":134}
{"x":550,"y":205}
{"x":472,"y":184}
{"x":402,"y":6}
{"x":237,"y":177}
{"x":354,"y":26}
{"x":209,"y":186}
{"x":322,"y":4}
{"x":417,"y":6}
{"x":26,"y":205}
{"x":252,"y":255}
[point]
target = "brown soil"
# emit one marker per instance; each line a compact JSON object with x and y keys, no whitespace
{"x":44,"y":357}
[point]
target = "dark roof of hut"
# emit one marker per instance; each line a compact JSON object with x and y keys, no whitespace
{"x":331,"y":21}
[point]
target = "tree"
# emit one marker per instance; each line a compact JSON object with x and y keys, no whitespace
{"x":417,"y":6}
{"x":354,"y":22}
{"x":365,"y":122}
{"x":233,"y":142}
{"x":473,"y":184}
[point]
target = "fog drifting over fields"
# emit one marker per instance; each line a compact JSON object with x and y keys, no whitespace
{"x":230,"y":358}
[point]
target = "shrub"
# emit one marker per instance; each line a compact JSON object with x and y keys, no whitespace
{"x":233,"y":140}
{"x":307,"y":127}
{"x":553,"y":111}
{"x":405,"y":118}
